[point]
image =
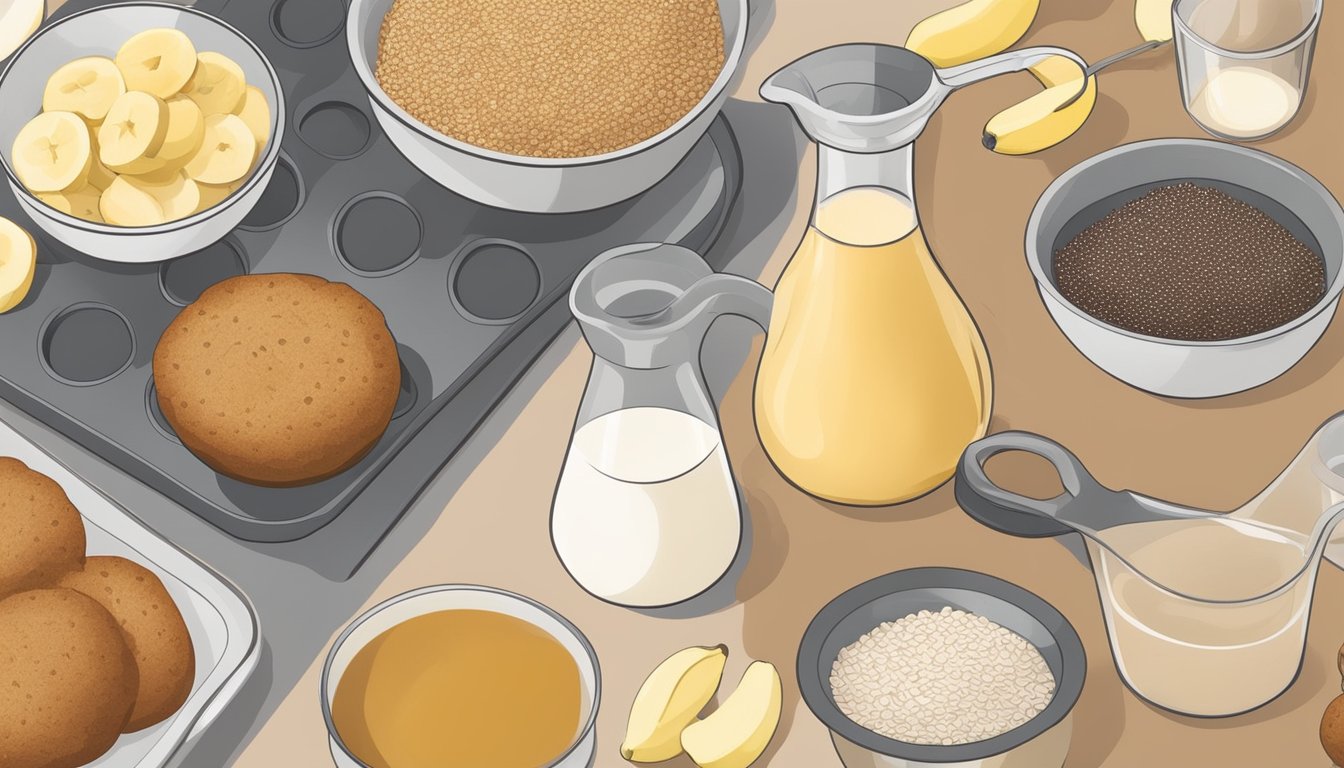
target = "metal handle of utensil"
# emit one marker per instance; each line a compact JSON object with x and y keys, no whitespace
{"x":1013,"y":513}
{"x":1002,"y":64}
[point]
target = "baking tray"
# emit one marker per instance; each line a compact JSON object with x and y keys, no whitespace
{"x":472,"y":294}
{"x":221,"y":621}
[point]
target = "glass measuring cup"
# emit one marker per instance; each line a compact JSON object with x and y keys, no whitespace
{"x":874,"y":375}
{"x":1244,"y":64}
{"x":1206,"y":613}
{"x":646,"y":511}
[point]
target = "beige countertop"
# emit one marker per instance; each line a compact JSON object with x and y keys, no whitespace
{"x":974,"y":204}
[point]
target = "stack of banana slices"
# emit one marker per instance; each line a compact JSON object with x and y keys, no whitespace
{"x":154,"y":135}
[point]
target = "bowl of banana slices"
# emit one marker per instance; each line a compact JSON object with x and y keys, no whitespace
{"x":139,"y":132}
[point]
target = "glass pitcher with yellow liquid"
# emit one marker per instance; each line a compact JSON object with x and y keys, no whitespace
{"x":874,"y":376}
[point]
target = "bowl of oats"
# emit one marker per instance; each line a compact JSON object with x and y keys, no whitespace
{"x":931,"y":666}
{"x":554,"y":107}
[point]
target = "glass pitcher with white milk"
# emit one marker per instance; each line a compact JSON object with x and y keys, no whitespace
{"x":646,"y":512}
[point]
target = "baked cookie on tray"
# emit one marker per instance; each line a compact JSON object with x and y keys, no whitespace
{"x":154,"y":630}
{"x":69,"y":679}
{"x":41,"y":531}
{"x":278,"y":379}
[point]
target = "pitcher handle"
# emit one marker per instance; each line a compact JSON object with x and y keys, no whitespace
{"x":1013,"y":513}
{"x":1004,"y":63}
{"x":721,"y":294}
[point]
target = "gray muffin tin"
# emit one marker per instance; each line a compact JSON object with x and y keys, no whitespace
{"x":472,"y":294}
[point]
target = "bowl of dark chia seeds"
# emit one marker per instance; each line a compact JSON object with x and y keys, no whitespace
{"x":1186,"y":267}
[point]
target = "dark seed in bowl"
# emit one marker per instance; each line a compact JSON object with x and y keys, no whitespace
{"x":1191,"y":263}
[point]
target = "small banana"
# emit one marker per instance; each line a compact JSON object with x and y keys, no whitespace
{"x":86,"y":86}
{"x":1038,"y":122}
{"x":157,"y":61}
{"x":738,"y":732}
{"x":226,"y":153}
{"x":82,"y":203}
{"x":18,"y":264}
{"x":213,"y":194}
{"x":179,"y":197}
{"x":133,"y":133}
{"x":125,"y":205}
{"x":53,"y":153}
{"x":256,"y":113}
{"x":972,"y":30}
{"x":19,"y":19}
{"x":1153,"y":18}
{"x":670,"y":699}
{"x":217,"y":86}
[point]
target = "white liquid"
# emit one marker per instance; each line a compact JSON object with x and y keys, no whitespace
{"x":1195,"y":656}
{"x":646,"y":512}
{"x":1245,"y":102}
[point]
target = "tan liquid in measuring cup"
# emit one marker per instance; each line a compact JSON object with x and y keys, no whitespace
{"x":1218,"y":655}
{"x":874,"y":378}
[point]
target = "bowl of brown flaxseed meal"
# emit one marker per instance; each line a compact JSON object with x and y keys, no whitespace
{"x":552,"y":107}
{"x":1186,"y":267}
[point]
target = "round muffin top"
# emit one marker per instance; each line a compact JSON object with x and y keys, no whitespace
{"x":41,"y":531}
{"x":278,"y":379}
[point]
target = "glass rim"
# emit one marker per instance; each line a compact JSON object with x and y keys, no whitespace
{"x":1297,"y":40}
{"x":327,"y":686}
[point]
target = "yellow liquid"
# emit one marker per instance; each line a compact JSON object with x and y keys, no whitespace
{"x":459,"y":689}
{"x":874,"y":377}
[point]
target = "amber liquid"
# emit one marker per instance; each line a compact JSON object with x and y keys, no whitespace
{"x":874,"y":377}
{"x":460,"y":689}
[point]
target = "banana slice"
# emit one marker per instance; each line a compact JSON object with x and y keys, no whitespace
{"x":670,"y":698}
{"x":1153,"y":18}
{"x":125,"y":205}
{"x":1038,"y":122}
{"x":972,"y":30}
{"x":185,"y":133}
{"x":157,"y":61}
{"x":86,"y":86}
{"x":214,"y":194}
{"x":178,"y":197}
{"x":53,"y":153}
{"x":100,"y":176}
{"x":19,"y":19}
{"x":133,"y":132}
{"x":18,"y":262}
{"x":218,"y":86}
{"x":82,"y":203}
{"x":738,"y":732}
{"x":227,"y":152}
{"x":256,"y":113}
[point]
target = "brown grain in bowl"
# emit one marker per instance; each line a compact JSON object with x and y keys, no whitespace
{"x":556,"y":79}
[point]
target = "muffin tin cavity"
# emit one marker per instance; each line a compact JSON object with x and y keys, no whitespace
{"x":307,"y":23}
{"x":156,"y":416}
{"x":336,"y":129}
{"x":282,"y":199}
{"x":183,"y":280}
{"x":87,"y":344}
{"x":494,"y":282}
{"x":377,"y":234}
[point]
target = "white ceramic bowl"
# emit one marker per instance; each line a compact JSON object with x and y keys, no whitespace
{"x":419,"y":602}
{"x":100,"y":32}
{"x":1169,"y":367}
{"x":535,"y":184}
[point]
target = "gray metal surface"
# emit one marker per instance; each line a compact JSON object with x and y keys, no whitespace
{"x":472,"y":295}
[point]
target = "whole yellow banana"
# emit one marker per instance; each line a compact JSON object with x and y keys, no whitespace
{"x":1037,"y":123}
{"x":972,"y":30}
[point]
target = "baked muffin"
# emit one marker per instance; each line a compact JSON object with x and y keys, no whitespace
{"x":67,"y":679}
{"x":154,"y":630}
{"x":278,"y":380}
{"x":42,"y":532}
